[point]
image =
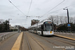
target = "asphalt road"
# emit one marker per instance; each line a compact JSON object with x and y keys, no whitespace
{"x":9,"y":42}
{"x":33,"y":41}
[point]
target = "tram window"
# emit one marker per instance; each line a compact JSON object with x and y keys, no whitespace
{"x":39,"y":29}
{"x":48,"y":27}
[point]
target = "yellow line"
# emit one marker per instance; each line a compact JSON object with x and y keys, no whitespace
{"x":17,"y":44}
{"x":65,"y":37}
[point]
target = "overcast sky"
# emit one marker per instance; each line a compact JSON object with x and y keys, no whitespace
{"x":38,"y":8}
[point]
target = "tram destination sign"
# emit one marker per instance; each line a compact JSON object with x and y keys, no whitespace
{"x":48,"y":22}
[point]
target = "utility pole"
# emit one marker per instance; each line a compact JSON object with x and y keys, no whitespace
{"x":68,"y":25}
{"x":68,"y":15}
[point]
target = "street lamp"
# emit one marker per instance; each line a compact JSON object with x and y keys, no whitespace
{"x":67,"y":13}
{"x":68,"y":18}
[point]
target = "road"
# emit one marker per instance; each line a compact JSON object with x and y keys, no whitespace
{"x":9,"y":42}
{"x":33,"y":41}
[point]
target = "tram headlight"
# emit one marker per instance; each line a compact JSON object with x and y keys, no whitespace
{"x":50,"y":32}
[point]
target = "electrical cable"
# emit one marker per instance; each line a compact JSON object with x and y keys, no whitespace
{"x":59,"y":9}
{"x":17,"y":8}
{"x":54,"y":7}
{"x":29,"y":7}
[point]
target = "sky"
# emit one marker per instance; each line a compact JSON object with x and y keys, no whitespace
{"x":41,"y":8}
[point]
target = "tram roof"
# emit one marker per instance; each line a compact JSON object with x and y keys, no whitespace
{"x":40,"y":23}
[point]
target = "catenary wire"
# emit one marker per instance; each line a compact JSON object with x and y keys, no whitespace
{"x":17,"y":8}
{"x":54,"y":7}
{"x":29,"y":7}
{"x":59,"y":9}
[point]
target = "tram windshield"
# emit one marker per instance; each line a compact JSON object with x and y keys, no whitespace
{"x":48,"y":27}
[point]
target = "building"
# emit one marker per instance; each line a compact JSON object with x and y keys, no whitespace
{"x":13,"y":27}
{"x":34,"y":21}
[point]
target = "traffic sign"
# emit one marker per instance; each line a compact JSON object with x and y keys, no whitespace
{"x":69,"y":25}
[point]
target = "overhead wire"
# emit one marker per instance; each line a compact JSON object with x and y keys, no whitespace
{"x":29,"y":7}
{"x":54,"y":7}
{"x":17,"y":8}
{"x":59,"y":9}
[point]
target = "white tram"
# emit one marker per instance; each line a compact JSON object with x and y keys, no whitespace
{"x":42,"y":28}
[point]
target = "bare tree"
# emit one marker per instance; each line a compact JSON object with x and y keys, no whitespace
{"x":1,"y":21}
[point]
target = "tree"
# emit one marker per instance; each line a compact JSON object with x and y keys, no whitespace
{"x":4,"y":26}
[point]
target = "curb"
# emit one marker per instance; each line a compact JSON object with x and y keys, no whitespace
{"x":65,"y":37}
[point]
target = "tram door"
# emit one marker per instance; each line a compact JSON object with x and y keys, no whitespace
{"x":42,"y":29}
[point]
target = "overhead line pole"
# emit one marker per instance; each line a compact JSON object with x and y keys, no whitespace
{"x":68,"y":18}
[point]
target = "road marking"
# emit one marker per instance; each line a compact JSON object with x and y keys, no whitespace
{"x":65,"y":37}
{"x":17,"y":44}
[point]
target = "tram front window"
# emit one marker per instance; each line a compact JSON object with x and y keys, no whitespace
{"x":48,"y":27}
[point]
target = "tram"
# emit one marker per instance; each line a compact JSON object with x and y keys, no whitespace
{"x":42,"y":28}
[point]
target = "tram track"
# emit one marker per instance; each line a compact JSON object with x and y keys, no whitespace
{"x":49,"y":42}
{"x":56,"y":39}
{"x":59,"y":40}
{"x":36,"y":42}
{"x":31,"y":43}
{"x":28,"y":44}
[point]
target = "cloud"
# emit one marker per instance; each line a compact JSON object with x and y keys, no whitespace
{"x":38,"y":8}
